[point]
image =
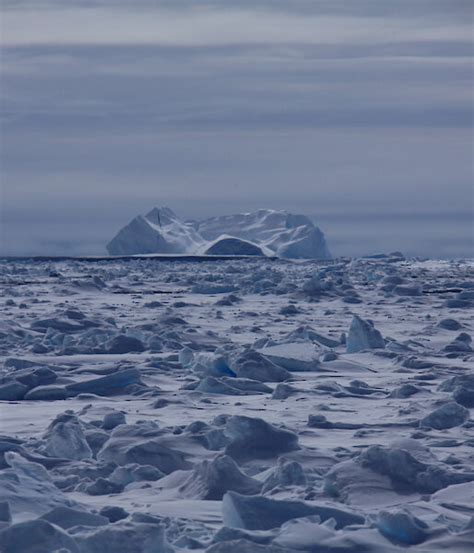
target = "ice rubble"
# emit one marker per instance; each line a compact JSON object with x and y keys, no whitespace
{"x":35,"y":536}
{"x":448,"y":415}
{"x":264,"y":232}
{"x":286,"y":473}
{"x":363,"y":335}
{"x":28,"y":488}
{"x":403,"y":466}
{"x":212,"y":479}
{"x":262,"y":513}
{"x":40,"y":536}
{"x":114,"y":383}
{"x":462,"y":388}
{"x":212,"y":385}
{"x":169,"y":408}
{"x":253,"y":365}
{"x":254,"y":438}
{"x":65,"y":439}
{"x":143,"y":444}
{"x":402,"y":527}
{"x":67,"y":517}
{"x":295,"y":356}
{"x":123,"y":537}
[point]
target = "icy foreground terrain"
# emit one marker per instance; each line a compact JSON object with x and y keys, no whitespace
{"x":263,"y":232}
{"x":239,"y":406}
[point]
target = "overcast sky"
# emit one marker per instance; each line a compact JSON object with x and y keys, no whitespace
{"x":323,"y":107}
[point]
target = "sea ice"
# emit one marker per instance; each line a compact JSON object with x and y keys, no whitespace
{"x":254,"y":438}
{"x":66,"y":517}
{"x":65,"y":439}
{"x":448,"y":415}
{"x":29,"y":488}
{"x":378,"y":440}
{"x":212,"y":479}
{"x":262,"y":513}
{"x":402,"y":528}
{"x":252,"y":364}
{"x":297,"y":356}
{"x":363,"y":335}
{"x":107,"y":385}
{"x":142,"y":444}
{"x":36,"y":536}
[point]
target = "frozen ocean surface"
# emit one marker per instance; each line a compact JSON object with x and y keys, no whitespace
{"x":156,"y":405}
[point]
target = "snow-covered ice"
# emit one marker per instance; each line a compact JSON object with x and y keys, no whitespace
{"x":253,"y":405}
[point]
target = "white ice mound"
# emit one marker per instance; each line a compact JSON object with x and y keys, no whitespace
{"x":65,"y":439}
{"x":212,"y":479}
{"x":254,"y":438}
{"x":28,"y":488}
{"x":257,"y":512}
{"x":160,"y":231}
{"x":144,"y":444}
{"x":34,"y":536}
{"x":263,"y":232}
{"x":296,"y":356}
{"x":123,"y":537}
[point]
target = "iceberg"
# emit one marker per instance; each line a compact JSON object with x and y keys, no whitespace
{"x":260,"y":233}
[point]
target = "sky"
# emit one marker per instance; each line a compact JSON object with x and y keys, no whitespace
{"x":359,"y":112}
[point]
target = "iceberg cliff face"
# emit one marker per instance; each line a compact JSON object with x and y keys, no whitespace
{"x":160,"y":231}
{"x":275,"y":232}
{"x":285,"y":234}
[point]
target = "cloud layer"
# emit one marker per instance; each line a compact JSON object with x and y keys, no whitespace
{"x":324,"y":107}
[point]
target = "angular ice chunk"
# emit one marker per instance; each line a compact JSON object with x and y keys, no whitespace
{"x":257,"y":512}
{"x":363,"y":335}
{"x":212,"y":479}
{"x":35,"y":536}
{"x":254,"y":438}
{"x":402,"y":527}
{"x":65,"y":439}
{"x":447,"y":416}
